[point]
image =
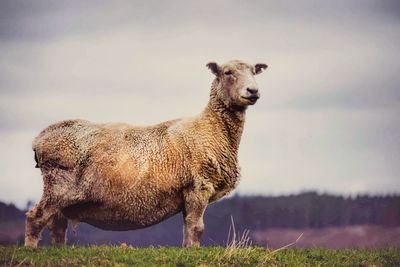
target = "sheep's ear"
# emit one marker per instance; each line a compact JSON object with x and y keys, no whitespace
{"x":214,"y":68}
{"x":259,"y":67}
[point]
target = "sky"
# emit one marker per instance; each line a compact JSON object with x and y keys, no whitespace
{"x":327,"y":118}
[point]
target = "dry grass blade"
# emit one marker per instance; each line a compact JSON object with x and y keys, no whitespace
{"x":238,"y":246}
{"x":237,"y":240}
{"x":13,"y":255}
{"x":288,"y":245}
{"x":20,"y":264}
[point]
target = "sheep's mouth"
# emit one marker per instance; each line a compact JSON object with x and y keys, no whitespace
{"x":252,"y":99}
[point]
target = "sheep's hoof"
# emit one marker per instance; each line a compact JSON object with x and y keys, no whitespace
{"x":31,"y":242}
{"x":192,"y":245}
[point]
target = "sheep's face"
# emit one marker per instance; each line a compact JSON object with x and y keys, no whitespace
{"x":237,"y":86}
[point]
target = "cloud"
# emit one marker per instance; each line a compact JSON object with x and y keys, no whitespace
{"x":327,"y":117}
{"x":329,"y":150}
{"x":41,"y":20}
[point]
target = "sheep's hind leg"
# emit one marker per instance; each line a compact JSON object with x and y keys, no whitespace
{"x":58,"y":192}
{"x":196,"y":202}
{"x":36,"y":220}
{"x":58,"y":225}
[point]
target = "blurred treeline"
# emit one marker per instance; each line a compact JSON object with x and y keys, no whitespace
{"x":304,"y":210}
{"x":309,"y":209}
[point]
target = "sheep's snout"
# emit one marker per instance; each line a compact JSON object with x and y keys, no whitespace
{"x":253,"y":91}
{"x":251,"y":95}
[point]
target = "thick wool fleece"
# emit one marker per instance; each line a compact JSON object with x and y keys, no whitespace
{"x":121,"y":177}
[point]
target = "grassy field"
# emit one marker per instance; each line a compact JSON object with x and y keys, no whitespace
{"x":208,"y":256}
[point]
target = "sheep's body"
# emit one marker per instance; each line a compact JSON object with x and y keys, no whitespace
{"x":116,"y":176}
{"x":120,"y":177}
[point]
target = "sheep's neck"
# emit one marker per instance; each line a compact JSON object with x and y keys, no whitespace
{"x":229,"y":120}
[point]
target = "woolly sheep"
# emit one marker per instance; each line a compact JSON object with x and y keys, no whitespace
{"x":122,"y":177}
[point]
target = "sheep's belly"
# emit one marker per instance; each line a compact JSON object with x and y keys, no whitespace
{"x":120,"y":225}
{"x":115,"y":219}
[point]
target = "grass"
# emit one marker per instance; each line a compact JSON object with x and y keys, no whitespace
{"x":207,"y":256}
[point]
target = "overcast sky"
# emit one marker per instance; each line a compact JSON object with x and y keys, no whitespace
{"x":328,"y":117}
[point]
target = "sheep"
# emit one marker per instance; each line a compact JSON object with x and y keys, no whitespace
{"x":115,"y":176}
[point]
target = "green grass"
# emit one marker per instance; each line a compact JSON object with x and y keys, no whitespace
{"x":206,"y":256}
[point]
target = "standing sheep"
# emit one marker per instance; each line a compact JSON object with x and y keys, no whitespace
{"x":121,"y":177}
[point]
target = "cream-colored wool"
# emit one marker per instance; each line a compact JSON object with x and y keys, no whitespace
{"x":122,"y":177}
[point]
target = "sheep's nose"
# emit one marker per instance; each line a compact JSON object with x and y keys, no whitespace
{"x":252,"y":91}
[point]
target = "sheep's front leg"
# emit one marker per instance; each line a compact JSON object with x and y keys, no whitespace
{"x":196,"y":201}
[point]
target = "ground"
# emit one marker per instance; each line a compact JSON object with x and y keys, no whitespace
{"x":124,"y":255}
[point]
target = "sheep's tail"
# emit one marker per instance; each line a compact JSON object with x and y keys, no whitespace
{"x":34,"y":143}
{"x":36,"y":159}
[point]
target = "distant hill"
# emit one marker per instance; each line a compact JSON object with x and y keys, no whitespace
{"x":258,"y":214}
{"x":361,"y":236}
{"x":8,"y":212}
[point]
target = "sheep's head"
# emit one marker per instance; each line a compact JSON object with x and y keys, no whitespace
{"x":235,"y":83}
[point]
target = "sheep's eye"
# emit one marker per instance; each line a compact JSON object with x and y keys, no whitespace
{"x":228,"y":72}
